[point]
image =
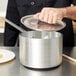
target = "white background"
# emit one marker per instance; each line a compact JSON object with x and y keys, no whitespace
{"x":3,"y":7}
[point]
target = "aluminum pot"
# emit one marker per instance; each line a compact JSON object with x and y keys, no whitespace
{"x":40,"y":50}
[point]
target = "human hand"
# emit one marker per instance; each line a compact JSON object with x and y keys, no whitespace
{"x":51,"y":15}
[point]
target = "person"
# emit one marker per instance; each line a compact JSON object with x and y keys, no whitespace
{"x":51,"y":15}
{"x":19,"y":8}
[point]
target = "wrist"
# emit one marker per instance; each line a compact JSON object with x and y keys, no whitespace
{"x":64,"y":11}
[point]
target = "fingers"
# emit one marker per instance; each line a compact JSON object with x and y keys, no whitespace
{"x":36,"y":15}
{"x":49,"y":15}
{"x":45,"y":17}
{"x":56,"y":16}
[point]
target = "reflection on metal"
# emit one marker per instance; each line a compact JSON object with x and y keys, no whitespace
{"x":69,"y":58}
{"x":28,"y":72}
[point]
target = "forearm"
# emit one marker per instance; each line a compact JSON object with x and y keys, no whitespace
{"x":70,"y":12}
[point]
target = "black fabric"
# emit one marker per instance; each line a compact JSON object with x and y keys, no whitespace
{"x":19,"y":8}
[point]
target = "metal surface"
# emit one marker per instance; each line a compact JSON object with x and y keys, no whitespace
{"x":41,"y":50}
{"x":30,"y":22}
{"x":14,"y":25}
{"x":69,"y":54}
{"x":14,"y":68}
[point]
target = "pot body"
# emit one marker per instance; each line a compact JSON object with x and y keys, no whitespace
{"x":40,"y":50}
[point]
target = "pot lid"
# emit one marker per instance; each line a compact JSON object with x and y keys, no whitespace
{"x":35,"y":24}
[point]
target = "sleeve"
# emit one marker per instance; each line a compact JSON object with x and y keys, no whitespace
{"x":11,"y":34}
{"x":74,"y":2}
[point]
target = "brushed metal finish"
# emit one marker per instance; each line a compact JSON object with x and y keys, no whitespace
{"x":14,"y":68}
{"x":40,"y":49}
